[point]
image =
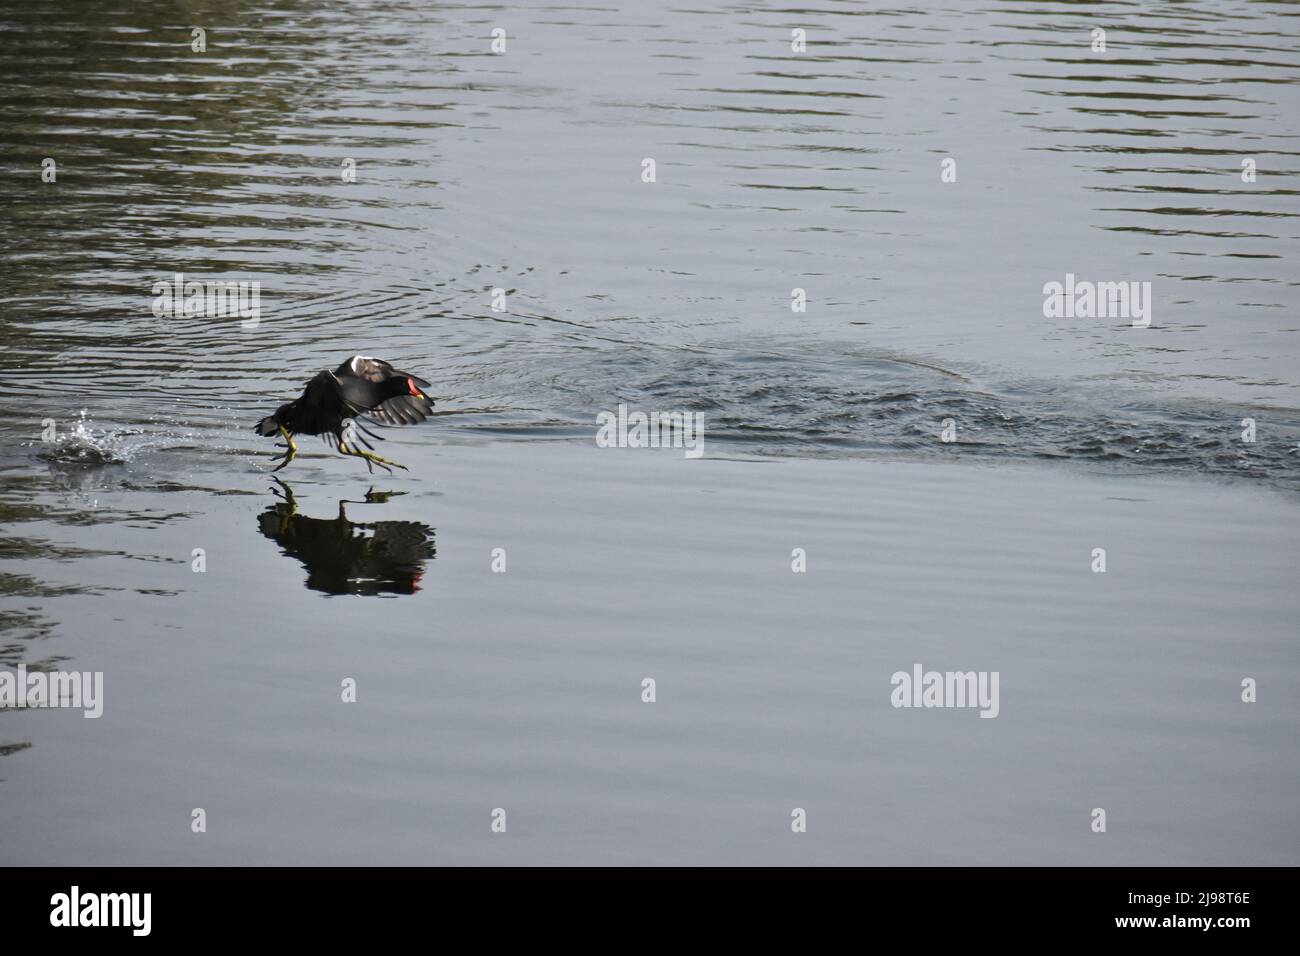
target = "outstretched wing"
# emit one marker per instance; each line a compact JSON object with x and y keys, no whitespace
{"x":402,"y":410}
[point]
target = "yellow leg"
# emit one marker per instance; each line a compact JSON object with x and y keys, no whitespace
{"x":370,"y":458}
{"x":290,"y":452}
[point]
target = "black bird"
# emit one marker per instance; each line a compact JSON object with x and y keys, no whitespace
{"x":331,"y":402}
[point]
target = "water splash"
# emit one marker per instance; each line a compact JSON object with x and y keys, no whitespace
{"x":87,"y":444}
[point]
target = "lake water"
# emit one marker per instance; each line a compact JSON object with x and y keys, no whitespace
{"x":500,"y":241}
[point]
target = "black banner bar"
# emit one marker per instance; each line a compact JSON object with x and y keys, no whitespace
{"x":371,"y":904}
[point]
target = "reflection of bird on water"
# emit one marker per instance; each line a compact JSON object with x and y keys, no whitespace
{"x":350,"y":557}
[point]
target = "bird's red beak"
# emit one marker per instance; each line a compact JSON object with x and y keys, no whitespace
{"x":410,"y":383}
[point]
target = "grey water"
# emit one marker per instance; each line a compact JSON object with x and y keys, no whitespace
{"x":498,"y":238}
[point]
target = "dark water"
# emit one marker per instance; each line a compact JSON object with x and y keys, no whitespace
{"x":775,"y":171}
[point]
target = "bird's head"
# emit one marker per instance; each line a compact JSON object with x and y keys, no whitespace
{"x":413,"y":389}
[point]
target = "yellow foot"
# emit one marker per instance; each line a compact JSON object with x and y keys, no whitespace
{"x":382,"y":462}
{"x":371,"y":459}
{"x":290,"y":452}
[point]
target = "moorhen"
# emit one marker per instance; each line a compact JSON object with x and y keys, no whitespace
{"x":331,"y":402}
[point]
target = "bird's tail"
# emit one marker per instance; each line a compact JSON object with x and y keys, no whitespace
{"x":269,"y":425}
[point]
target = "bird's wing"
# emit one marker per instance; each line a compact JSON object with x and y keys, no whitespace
{"x":401,"y":410}
{"x":322,"y":405}
{"x":367,"y":368}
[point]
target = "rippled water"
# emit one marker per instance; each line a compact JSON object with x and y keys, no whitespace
{"x":776,"y":170}
{"x":127,"y":437}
